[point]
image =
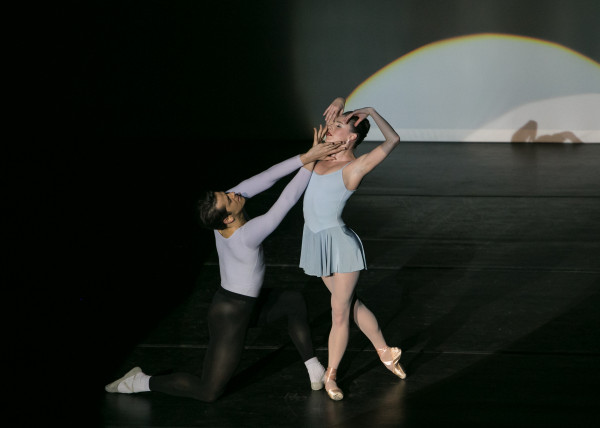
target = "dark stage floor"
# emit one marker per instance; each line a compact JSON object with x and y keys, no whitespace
{"x":484,"y":266}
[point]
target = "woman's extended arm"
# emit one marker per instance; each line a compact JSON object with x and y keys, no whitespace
{"x":365,"y":163}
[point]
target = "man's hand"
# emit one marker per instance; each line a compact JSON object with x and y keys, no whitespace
{"x":321,"y":150}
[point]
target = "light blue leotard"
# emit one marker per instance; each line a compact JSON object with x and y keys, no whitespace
{"x":328,"y":245}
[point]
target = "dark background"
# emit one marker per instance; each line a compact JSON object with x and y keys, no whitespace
{"x":262,"y":70}
{"x":150,"y":102}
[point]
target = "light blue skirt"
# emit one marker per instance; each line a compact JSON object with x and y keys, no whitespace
{"x":336,"y":249}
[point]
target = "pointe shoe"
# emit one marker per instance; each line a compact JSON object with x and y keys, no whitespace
{"x":392,"y":365}
{"x":334,"y":392}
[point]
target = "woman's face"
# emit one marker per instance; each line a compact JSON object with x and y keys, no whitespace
{"x":338,"y":130}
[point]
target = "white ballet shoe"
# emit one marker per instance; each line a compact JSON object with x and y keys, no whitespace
{"x":124,"y":385}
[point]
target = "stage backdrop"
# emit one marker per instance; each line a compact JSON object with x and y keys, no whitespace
{"x":452,"y":70}
{"x":439,"y":70}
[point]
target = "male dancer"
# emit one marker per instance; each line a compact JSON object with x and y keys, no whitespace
{"x":241,"y":263}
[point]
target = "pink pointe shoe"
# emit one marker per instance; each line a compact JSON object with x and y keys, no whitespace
{"x":334,"y":392}
{"x":392,"y":360}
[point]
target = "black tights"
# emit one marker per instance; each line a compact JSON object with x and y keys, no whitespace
{"x":229,"y":317}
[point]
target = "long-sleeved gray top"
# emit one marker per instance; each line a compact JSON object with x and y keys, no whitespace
{"x":241,"y":259}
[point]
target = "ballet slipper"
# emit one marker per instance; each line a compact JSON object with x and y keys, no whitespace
{"x":124,"y":385}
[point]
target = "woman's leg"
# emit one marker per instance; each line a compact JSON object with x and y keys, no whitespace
{"x":227,"y":322}
{"x":367,"y":323}
{"x":341,"y":286}
{"x":363,"y":317}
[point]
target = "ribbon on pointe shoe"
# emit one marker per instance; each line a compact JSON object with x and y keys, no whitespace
{"x":334,"y":392}
{"x":392,"y":364}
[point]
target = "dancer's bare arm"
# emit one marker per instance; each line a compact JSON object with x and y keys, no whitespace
{"x":365,"y":163}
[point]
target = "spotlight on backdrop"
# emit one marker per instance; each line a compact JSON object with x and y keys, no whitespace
{"x":487,"y":88}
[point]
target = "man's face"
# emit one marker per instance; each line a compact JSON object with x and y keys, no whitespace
{"x":232,"y":203}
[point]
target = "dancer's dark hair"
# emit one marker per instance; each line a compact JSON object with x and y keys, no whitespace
{"x":361,"y":130}
{"x":208,"y":214}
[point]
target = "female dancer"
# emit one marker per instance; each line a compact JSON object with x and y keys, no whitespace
{"x":239,"y":246}
{"x":333,"y":251}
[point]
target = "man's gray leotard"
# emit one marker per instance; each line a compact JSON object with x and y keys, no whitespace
{"x":241,"y":260}
{"x":328,"y":245}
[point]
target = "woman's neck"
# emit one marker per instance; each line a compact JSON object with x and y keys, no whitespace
{"x":345,"y":156}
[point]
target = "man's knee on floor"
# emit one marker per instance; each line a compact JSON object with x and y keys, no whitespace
{"x":208,"y":397}
{"x":209,"y":394}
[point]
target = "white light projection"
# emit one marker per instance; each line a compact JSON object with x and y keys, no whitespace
{"x":487,"y":88}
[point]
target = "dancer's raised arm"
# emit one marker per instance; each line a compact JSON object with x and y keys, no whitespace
{"x":335,"y":109}
{"x":365,"y":163}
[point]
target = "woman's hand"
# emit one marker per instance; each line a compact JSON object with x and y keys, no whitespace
{"x":334,"y":110}
{"x":361,"y":113}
